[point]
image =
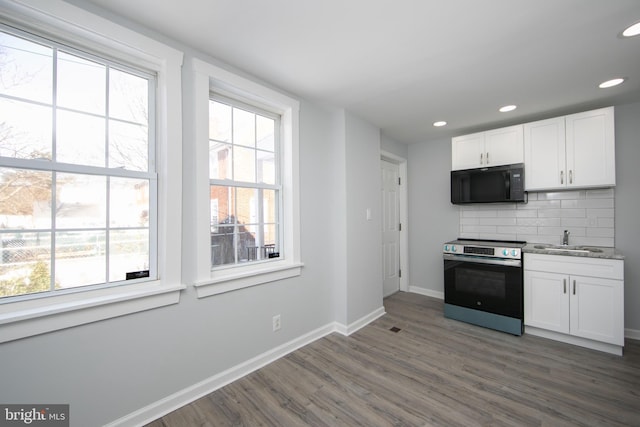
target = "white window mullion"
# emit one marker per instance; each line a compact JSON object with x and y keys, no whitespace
{"x":52,"y":256}
{"x":54,"y":174}
{"x":107,"y":233}
{"x":151,"y":128}
{"x":260,"y":221}
{"x":153,"y":229}
{"x":106,"y":117}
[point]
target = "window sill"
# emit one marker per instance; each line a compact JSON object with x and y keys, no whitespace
{"x":227,"y":281}
{"x":33,"y":317}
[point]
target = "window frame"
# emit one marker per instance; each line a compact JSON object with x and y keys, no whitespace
{"x":236,"y":103}
{"x":207,"y":78}
{"x":58,"y":167}
{"x":70,"y":25}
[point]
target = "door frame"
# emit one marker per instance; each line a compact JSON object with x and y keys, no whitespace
{"x":404,"y":217}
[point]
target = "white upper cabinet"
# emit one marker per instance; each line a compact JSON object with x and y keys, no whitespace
{"x":484,"y":149}
{"x":575,"y":151}
{"x":591,"y":148}
{"x":544,"y":154}
{"x":467,"y":151}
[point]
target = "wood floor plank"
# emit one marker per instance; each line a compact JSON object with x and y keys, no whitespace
{"x":432,"y":372}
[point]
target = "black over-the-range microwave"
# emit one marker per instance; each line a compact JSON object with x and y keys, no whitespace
{"x":488,"y":185}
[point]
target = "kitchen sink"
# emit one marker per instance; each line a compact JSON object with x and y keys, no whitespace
{"x":569,"y":248}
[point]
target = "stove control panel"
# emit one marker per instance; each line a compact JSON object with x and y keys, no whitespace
{"x":484,"y":251}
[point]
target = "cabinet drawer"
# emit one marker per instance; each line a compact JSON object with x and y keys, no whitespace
{"x":583,"y":266}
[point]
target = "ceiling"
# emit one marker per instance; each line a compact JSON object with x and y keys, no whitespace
{"x":402,"y":65}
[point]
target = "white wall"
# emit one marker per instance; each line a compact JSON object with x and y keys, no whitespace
{"x":393,"y":147}
{"x":364,"y":236}
{"x":433,"y":220}
{"x":627,"y":206}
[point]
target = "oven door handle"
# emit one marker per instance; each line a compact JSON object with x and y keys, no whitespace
{"x":479,"y":260}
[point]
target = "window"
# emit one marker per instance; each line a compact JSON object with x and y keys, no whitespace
{"x":77,"y":178}
{"x":243,"y":140}
{"x":90,"y":179}
{"x":244,"y":183}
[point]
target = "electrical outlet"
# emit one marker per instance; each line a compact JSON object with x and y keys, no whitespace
{"x":276,"y":322}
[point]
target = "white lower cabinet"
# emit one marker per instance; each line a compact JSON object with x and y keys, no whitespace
{"x":578,"y":300}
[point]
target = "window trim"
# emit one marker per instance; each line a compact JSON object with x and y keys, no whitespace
{"x":65,"y":22}
{"x":208,"y":78}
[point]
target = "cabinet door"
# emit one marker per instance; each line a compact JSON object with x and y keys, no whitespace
{"x":467,"y":151}
{"x":597,"y":309}
{"x":504,"y":146}
{"x":544,"y":155}
{"x":591,"y":148}
{"x":546,"y":300}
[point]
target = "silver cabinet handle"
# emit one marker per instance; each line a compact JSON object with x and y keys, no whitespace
{"x":487,"y":157}
{"x":564,"y":285}
{"x":570,"y":177}
{"x":561,"y":177}
{"x":481,"y":158}
{"x":574,"y":287}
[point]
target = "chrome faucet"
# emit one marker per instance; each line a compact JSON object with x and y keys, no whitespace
{"x":565,"y":238}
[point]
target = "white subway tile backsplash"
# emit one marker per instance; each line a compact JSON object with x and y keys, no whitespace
{"x":600,"y":193}
{"x":480,"y":213}
{"x":562,"y":195}
{"x":521,"y":213}
{"x":605,"y":222}
{"x":517,"y":229}
{"x":574,"y":222}
{"x":587,"y":214}
{"x":469,"y":220}
{"x":498,"y":221}
{"x":528,"y":221}
{"x":600,"y":232}
{"x":549,"y":222}
{"x":511,"y":213}
{"x":600,"y":213}
{"x":587,"y":203}
{"x":541,"y":204}
{"x":553,"y":231}
{"x":573,"y":213}
{"x":479,"y":229}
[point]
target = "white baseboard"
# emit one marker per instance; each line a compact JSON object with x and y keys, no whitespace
{"x":360,"y":323}
{"x":426,"y":292}
{"x":570,"y":339}
{"x":185,"y":396}
{"x":633,"y":334}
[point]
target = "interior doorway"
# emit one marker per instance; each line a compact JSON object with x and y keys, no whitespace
{"x":394,"y":224}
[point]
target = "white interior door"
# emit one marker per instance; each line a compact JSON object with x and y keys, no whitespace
{"x":390,"y":227}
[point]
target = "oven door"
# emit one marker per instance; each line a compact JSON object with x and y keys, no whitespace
{"x":494,"y":286}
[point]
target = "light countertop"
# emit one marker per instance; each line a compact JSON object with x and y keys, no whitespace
{"x":595,"y":252}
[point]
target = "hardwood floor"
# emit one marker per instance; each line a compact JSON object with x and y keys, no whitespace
{"x":433,"y":372}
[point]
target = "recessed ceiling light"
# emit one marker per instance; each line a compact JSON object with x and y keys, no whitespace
{"x":631,"y":31}
{"x":440,"y":123}
{"x":507,"y":108}
{"x":610,"y":83}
